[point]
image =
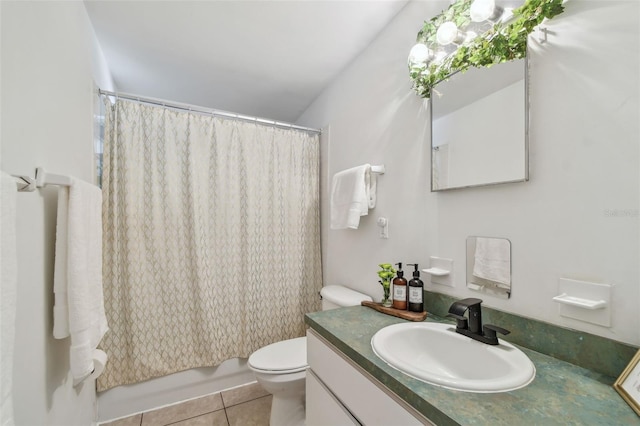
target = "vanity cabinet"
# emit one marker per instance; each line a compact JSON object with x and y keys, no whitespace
{"x":322,"y":407}
{"x":339,"y":392}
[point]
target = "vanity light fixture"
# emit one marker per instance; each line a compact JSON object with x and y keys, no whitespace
{"x":470,"y":36}
{"x":439,"y":57}
{"x":485,"y":10}
{"x":420,"y":54}
{"x":507,"y":15}
{"x":474,"y":33}
{"x":448,"y":33}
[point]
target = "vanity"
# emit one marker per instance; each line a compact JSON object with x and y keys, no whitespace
{"x":348,"y":384}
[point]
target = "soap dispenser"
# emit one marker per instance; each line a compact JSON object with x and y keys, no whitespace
{"x":400,"y":290}
{"x":416,"y":291}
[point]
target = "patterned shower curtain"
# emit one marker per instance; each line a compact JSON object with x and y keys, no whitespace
{"x":211,"y":239}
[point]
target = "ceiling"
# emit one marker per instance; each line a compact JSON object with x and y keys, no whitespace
{"x":266,"y":58}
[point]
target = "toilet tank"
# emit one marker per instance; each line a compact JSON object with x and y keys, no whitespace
{"x":337,"y":296}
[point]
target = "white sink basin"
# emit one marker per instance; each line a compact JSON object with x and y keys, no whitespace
{"x":436,"y":354}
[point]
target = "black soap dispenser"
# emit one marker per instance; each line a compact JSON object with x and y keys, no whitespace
{"x":416,"y":291}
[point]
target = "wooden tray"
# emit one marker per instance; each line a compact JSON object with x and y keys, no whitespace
{"x":400,"y":313}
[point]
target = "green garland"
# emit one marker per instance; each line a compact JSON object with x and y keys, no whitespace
{"x":502,"y":43}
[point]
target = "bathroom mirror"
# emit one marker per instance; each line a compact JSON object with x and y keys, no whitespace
{"x":479,"y":127}
{"x":489,"y":265}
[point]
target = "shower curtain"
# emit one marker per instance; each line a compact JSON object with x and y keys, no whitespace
{"x":211,"y":239}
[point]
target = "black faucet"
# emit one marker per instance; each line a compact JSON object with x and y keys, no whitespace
{"x":472,"y":326}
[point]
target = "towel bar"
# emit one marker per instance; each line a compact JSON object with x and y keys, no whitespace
{"x":25,"y":183}
{"x":379,"y":169}
{"x":29,"y":184}
{"x":43,"y":178}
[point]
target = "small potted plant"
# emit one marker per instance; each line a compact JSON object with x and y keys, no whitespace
{"x":386,"y":274}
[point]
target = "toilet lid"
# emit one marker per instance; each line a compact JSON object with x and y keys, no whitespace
{"x":281,"y":356}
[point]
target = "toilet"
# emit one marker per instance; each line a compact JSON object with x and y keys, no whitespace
{"x":281,"y":367}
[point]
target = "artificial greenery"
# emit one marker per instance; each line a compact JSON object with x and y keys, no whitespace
{"x":386,"y":274}
{"x":504,"y":42}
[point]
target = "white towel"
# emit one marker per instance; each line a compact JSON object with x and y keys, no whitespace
{"x":60,"y":305}
{"x":79,"y":300}
{"x":493,"y":260}
{"x":8,"y":290}
{"x":353,"y":193}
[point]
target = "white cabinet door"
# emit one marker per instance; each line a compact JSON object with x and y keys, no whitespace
{"x":368,"y":401}
{"x":323,"y":408}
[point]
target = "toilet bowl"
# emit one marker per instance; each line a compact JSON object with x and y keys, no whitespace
{"x":281,"y":367}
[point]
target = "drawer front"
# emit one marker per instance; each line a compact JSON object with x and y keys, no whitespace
{"x":323,"y":408}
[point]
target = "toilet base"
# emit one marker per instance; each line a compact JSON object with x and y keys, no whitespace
{"x":288,"y":403}
{"x":287,"y":410}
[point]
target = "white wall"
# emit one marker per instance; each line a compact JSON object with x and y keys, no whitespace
{"x":49,"y":60}
{"x":374,"y":117}
{"x":577,"y":217}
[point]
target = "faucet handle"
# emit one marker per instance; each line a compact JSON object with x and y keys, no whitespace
{"x":461,"y":321}
{"x":490,"y":330}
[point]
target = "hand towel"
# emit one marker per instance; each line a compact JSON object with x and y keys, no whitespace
{"x":79,"y":300}
{"x":8,"y":292}
{"x":493,"y":260}
{"x":60,"y":306}
{"x":353,"y":193}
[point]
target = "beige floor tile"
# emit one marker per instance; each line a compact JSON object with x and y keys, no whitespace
{"x":185,"y":410}
{"x":217,"y":418}
{"x":252,"y":413}
{"x":127,"y":421}
{"x":242,"y":394}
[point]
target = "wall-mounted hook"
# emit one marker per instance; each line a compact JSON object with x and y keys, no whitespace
{"x":542,"y":38}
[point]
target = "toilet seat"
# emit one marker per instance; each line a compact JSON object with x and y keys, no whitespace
{"x":287,"y":356}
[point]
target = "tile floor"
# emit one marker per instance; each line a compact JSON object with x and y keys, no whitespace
{"x":248,"y":405}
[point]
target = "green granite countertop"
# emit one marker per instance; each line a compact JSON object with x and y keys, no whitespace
{"x":561,"y":393}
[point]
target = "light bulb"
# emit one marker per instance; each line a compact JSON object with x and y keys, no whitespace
{"x":482,"y":10}
{"x":419,"y":54}
{"x":447,"y":33}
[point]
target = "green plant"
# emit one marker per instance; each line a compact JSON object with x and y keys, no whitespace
{"x":386,"y":274}
{"x":503,"y":42}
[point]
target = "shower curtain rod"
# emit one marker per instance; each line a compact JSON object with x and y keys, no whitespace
{"x":201,"y":110}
